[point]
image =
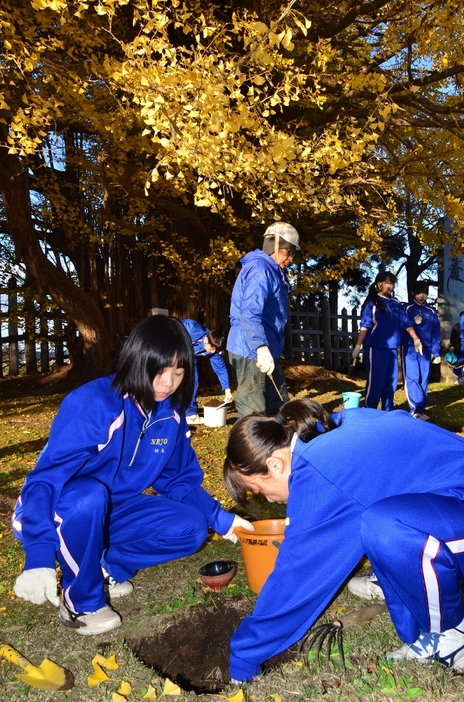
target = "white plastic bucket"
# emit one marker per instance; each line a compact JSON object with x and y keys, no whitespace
{"x":215,"y":416}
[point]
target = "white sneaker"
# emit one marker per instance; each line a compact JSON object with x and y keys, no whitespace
{"x":418,"y":415}
{"x":367,"y":587}
{"x":447,"y":648}
{"x":113,"y":589}
{"x":194,"y":419}
{"x":90,"y":623}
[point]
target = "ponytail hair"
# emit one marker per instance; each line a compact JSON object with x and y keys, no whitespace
{"x":254,"y":438}
{"x":373,"y":292}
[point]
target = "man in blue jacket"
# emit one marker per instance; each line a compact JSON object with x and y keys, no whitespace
{"x":206,"y":343}
{"x":258,"y":316}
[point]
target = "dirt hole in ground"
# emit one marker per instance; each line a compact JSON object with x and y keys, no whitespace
{"x":192,"y":646}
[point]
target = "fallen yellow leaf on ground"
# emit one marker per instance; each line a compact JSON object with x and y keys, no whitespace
{"x":171,"y":688}
{"x":150,"y":694}
{"x":107,"y":663}
{"x":97,"y":676}
{"x":116,"y":697}
{"x":275,"y":696}
{"x":125,"y":688}
{"x":238,"y":697}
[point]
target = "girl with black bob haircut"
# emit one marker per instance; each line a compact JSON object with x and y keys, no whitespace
{"x":118,"y":486}
{"x":383,"y":321}
{"x":153,"y":345}
{"x":360,"y":482}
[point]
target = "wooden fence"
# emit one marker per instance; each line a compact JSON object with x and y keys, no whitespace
{"x":35,"y":337}
{"x":320,"y":338}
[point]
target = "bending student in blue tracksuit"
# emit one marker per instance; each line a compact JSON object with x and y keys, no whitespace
{"x":383,"y":320}
{"x":344,"y":502}
{"x":208,"y":343}
{"x":416,"y":366}
{"x":84,"y":504}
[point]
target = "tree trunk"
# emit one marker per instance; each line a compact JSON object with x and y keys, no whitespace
{"x":81,"y":308}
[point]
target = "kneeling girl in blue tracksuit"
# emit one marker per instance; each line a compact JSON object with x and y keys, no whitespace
{"x":416,"y":366}
{"x":85,"y":502}
{"x":383,"y":319}
{"x":343,"y":501}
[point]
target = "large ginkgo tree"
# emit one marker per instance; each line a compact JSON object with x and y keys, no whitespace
{"x":145,"y":144}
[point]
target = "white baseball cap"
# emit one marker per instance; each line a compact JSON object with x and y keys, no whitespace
{"x":283,"y":231}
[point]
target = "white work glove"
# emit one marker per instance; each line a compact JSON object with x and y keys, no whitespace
{"x":238,"y":522}
{"x":228,"y":395}
{"x":356,"y":351}
{"x":436,"y":359}
{"x":265,"y":361}
{"x":37,"y":586}
{"x":418,"y":346}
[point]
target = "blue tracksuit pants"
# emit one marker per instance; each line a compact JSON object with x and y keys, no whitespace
{"x":420,"y":577}
{"x":255,"y":390}
{"x":416,"y":370}
{"x":193,"y":406}
{"x":382,"y":377}
{"x":140,"y":532}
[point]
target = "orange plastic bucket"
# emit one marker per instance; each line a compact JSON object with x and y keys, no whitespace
{"x":259,"y":553}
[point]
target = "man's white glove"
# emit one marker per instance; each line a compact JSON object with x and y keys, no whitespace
{"x":356,"y":351}
{"x":418,"y":346}
{"x":228,"y":395}
{"x":265,"y":361}
{"x":238,"y":522}
{"x":436,"y":359}
{"x":37,"y":586}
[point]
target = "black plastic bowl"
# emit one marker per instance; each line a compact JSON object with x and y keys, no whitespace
{"x":217,"y":574}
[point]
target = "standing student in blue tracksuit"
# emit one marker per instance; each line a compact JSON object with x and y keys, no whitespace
{"x":208,"y":343}
{"x":416,"y":366}
{"x":383,"y":320}
{"x":85,"y":503}
{"x":347,"y":497}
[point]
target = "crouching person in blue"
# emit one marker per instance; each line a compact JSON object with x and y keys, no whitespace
{"x":209,"y":343}
{"x":84,"y":503}
{"x":406,"y":514}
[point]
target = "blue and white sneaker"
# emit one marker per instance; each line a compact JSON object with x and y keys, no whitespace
{"x":367,"y":587}
{"x":447,"y":648}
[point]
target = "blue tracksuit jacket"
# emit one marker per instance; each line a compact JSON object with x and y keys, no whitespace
{"x":100,"y":434}
{"x":384,"y":328}
{"x":337,"y":480}
{"x":427,"y":329}
{"x":259,"y":307}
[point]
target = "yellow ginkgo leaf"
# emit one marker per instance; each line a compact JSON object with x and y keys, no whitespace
{"x":110,"y":663}
{"x":151,"y":693}
{"x":298,"y":663}
{"x":275,"y":696}
{"x":338,"y":608}
{"x":97,"y":676}
{"x":171,"y":688}
{"x":125,"y":688}
{"x":238,"y":697}
{"x":116,"y":697}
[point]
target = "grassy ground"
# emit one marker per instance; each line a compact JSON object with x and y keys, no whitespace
{"x":26,"y":412}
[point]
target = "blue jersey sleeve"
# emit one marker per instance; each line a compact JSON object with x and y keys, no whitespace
{"x":321,"y":547}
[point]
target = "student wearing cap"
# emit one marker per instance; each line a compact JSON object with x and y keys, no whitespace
{"x":258,"y":315}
